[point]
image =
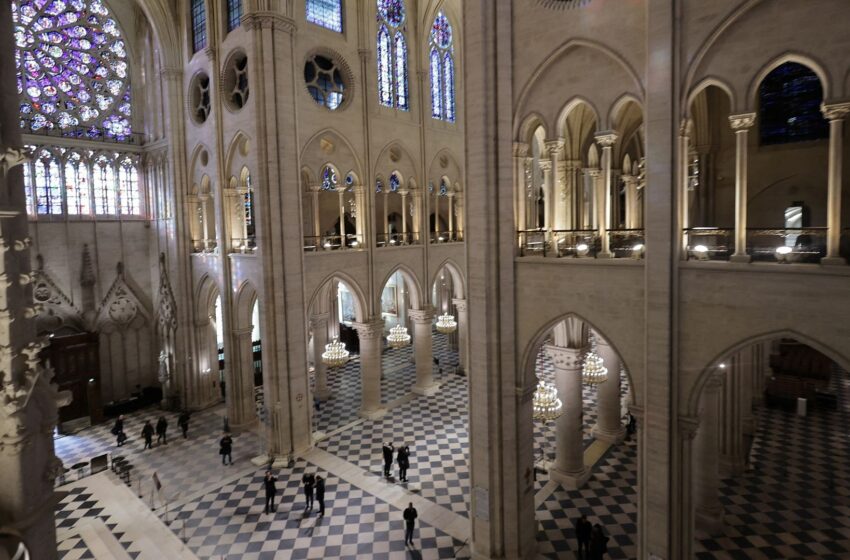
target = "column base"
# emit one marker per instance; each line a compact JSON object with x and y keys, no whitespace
{"x":732,"y":466}
{"x":569,"y":480}
{"x":741,"y":258}
{"x":243,"y":426}
{"x":710,"y":519}
{"x":602,"y":255}
{"x":427,"y":390}
{"x":833,"y":261}
{"x":373,"y":414}
{"x":278,"y":463}
{"x":323,"y":394}
{"x":610,"y":436}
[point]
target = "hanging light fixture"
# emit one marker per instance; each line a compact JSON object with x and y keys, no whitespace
{"x":593,"y":371}
{"x":446,"y":323}
{"x":546,"y":404}
{"x":398,"y":337}
{"x":335,"y":354}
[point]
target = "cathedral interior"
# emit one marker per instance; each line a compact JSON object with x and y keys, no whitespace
{"x":561,"y":258}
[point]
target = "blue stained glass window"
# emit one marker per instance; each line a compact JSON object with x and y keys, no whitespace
{"x":28,"y":187}
{"x":326,"y":13}
{"x":395,"y":182}
{"x":385,"y":80}
{"x":442,"y":70}
{"x":234,"y":14}
{"x":199,"y":25}
{"x":73,"y":72}
{"x":401,"y":71}
{"x":379,"y":186}
{"x":104,"y":188}
{"x":48,"y":184}
{"x":436,"y":86}
{"x":128,"y":188}
{"x":789,"y":106}
{"x":77,"y":186}
{"x":392,"y":55}
{"x":329,"y":178}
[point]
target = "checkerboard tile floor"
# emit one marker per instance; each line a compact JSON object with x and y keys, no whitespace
{"x":79,"y":504}
{"x":544,"y":433}
{"x":74,"y":548}
{"x":230,"y":523}
{"x":189,"y":465}
{"x":794,"y":499}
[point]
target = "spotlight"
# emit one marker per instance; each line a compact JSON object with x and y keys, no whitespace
{"x":355,"y":243}
{"x":637,"y":250}
{"x":782,"y":253}
{"x":327,"y":245}
{"x":700,"y":252}
{"x":582,"y":249}
{"x":392,"y":241}
{"x":722,"y":366}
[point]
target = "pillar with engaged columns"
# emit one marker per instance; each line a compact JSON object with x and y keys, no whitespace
{"x":632,"y":216}
{"x":319,"y":326}
{"x":240,"y":386}
{"x":568,"y":468}
{"x":423,"y":351}
{"x":371,"y":344}
{"x":835,"y":114}
{"x":555,"y":148}
{"x":462,"y":333}
{"x":709,"y":510}
{"x":732,"y":454}
{"x":520,"y":165}
{"x":548,"y":189}
{"x":608,"y":425}
{"x":741,"y":124}
{"x":603,"y":193}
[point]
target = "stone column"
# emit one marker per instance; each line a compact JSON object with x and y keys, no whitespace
{"x":571,"y":196}
{"x":314,"y":198}
{"x":631,"y":183}
{"x":603,"y":198}
{"x":341,"y":191}
{"x":520,"y":162}
{"x":319,"y":326}
{"x":436,"y":215}
{"x":732,"y":458}
{"x":403,"y":193}
{"x":709,"y":510}
{"x":205,"y":235}
{"x":240,"y":388}
{"x":741,"y":124}
{"x":608,"y":425}
{"x":835,"y":114}
{"x":555,"y":148}
{"x":371,"y":343}
{"x":451,"y":196}
{"x":386,"y":213}
{"x":591,"y":183}
{"x":548,"y":189}
{"x":462,"y":333}
{"x":423,"y":351}
{"x":568,"y":468}
{"x":360,"y":206}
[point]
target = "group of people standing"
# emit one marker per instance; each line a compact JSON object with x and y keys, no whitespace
{"x":592,"y":541}
{"x":148,"y":430}
{"x":402,"y":458}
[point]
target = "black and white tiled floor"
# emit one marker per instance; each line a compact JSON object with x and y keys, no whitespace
{"x":794,"y":499}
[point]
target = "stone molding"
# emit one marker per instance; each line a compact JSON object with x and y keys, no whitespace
{"x":606,"y":139}
{"x":688,"y":427}
{"x":370,"y":329}
{"x":461,"y":304}
{"x":269,"y":20}
{"x":835,"y":111}
{"x":421,"y":315}
{"x":742,"y":121}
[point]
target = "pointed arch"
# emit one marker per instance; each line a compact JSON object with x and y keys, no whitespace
{"x":205,"y":295}
{"x":802,"y":59}
{"x":246,"y":297}
{"x":705,"y":84}
{"x":457,"y":277}
{"x":352,"y":286}
{"x":412,"y":282}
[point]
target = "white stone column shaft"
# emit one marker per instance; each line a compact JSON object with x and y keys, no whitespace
{"x":462,"y":333}
{"x":451,"y":197}
{"x":603,"y":207}
{"x":371,"y":345}
{"x":568,"y":468}
{"x":319,"y":326}
{"x":548,"y":189}
{"x":423,"y":351}
{"x":403,"y":194}
{"x":835,"y":114}
{"x":608,"y":425}
{"x":732,"y":460}
{"x":240,"y":390}
{"x":741,"y":124}
{"x":317,"y":226}
{"x":709,"y":510}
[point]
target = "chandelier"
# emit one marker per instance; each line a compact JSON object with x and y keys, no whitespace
{"x":546,"y":404}
{"x":593,"y":371}
{"x":335,"y":354}
{"x":446,"y":323}
{"x":398,"y":337}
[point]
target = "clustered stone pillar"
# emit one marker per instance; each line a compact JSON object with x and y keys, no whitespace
{"x":709,"y":510}
{"x":520,"y":187}
{"x":423,"y":351}
{"x":319,"y":326}
{"x":835,"y":114}
{"x":462,"y":333}
{"x":608,"y":426}
{"x":371,"y":335}
{"x":732,"y":449}
{"x":741,"y":124}
{"x":568,"y":468}
{"x":603,"y":198}
{"x":240,"y":394}
{"x":632,"y":212}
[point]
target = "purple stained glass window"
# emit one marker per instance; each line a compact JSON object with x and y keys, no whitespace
{"x":436,"y":86}
{"x":72,"y":68}
{"x":329,"y":178}
{"x":395,"y":182}
{"x":441,"y":31}
{"x":104,"y":188}
{"x":442,"y":70}
{"x":391,"y":11}
{"x":48,"y":184}
{"x":128,"y":188}
{"x":449,"y":82}
{"x":326,"y":13}
{"x":392,"y":55}
{"x":401,"y":100}
{"x":77,"y":185}
{"x":385,"y":79}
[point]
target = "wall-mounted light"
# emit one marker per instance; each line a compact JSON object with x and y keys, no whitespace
{"x":582,"y":249}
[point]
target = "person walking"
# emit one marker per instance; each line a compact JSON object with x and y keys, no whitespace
{"x":320,"y":494}
{"x":598,"y":543}
{"x":147,"y":433}
{"x":271,"y":490}
{"x":226,"y":449}
{"x":309,"y":481}
{"x":183,"y":422}
{"x":403,"y":462}
{"x":118,"y":430}
{"x":388,"y":458}
{"x":410,"y":516}
{"x":161,"y":427}
{"x":583,"y":531}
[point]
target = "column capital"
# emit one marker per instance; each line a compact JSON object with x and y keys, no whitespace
{"x":554,"y":146}
{"x":835,"y":111}
{"x":545,"y":165}
{"x":403,"y":192}
{"x":318,"y":319}
{"x":520,"y":149}
{"x":606,"y":138}
{"x":371,"y":329}
{"x":714,"y":382}
{"x":340,"y":189}
{"x":315,"y":188}
{"x":688,"y":427}
{"x":742,"y":121}
{"x":592,"y":171}
{"x":629,"y":179}
{"x":269,"y":20}
{"x":171,"y":74}
{"x":564,"y":358}
{"x":421,"y":315}
{"x":242,"y":332}
{"x":461,"y":304}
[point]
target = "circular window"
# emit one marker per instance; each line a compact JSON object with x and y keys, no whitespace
{"x":325,"y":81}
{"x":391,"y":11}
{"x":235,"y":81}
{"x":199,"y":97}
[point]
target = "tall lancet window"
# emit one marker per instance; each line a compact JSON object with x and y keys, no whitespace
{"x":442,"y":69}
{"x":392,"y":55}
